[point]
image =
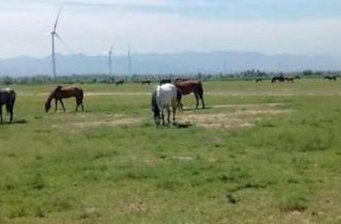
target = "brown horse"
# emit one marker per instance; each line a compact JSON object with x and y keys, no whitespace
{"x":7,"y":97}
{"x":65,"y":92}
{"x":189,"y":86}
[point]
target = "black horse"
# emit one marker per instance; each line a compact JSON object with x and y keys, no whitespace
{"x":163,"y":81}
{"x":278,"y":78}
{"x":146,"y":82}
{"x":289,"y":79}
{"x":330,"y":77}
{"x":119,"y":82}
{"x":7,"y":97}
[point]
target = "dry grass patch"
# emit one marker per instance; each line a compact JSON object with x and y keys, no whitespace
{"x":240,"y":116}
{"x":106,"y":120}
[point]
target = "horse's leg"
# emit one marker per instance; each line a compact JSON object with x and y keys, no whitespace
{"x":168,"y":114}
{"x":0,"y":113}
{"x":196,"y":99}
{"x":163,"y":116}
{"x":11,"y":113}
{"x":174,"y":107}
{"x":202,"y":100}
{"x":77,"y":104}
{"x":61,"y":102}
{"x":56,"y":104}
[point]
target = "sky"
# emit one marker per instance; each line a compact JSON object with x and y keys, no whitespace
{"x":309,"y":27}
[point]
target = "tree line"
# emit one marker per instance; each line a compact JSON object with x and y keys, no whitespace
{"x":101,"y":78}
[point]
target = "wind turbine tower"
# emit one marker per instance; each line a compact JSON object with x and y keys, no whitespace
{"x":110,"y":54}
{"x":129,"y":62}
{"x":53,"y":35}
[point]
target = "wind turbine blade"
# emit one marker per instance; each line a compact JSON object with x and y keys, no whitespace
{"x":63,"y":42}
{"x":57,"y":19}
{"x":56,"y":34}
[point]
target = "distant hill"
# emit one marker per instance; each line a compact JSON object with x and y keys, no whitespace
{"x":177,"y":63}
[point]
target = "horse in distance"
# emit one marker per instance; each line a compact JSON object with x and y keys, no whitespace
{"x":7,"y":97}
{"x":119,"y":82}
{"x":164,"y":97}
{"x":147,"y":82}
{"x":192,"y":86}
{"x":163,"y":81}
{"x":330,"y":77}
{"x":61,"y":92}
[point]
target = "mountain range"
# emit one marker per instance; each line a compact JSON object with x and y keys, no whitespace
{"x":171,"y":63}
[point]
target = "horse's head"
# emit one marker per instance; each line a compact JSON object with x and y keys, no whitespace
{"x":157,"y":118}
{"x":156,"y":110}
{"x":47,"y":106}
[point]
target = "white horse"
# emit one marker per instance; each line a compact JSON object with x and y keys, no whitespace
{"x":164,"y":97}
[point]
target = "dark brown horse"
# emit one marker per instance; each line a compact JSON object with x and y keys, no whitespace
{"x":329,"y":77}
{"x":191,"y":86}
{"x":146,"y":82}
{"x":7,"y":97}
{"x":119,"y":82}
{"x":65,"y":92}
{"x":289,"y":79}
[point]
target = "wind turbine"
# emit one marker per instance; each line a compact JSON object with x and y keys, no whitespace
{"x":53,"y":35}
{"x":110,"y":54}
{"x":129,"y":61}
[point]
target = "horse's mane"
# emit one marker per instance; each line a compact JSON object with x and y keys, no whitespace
{"x":53,"y":93}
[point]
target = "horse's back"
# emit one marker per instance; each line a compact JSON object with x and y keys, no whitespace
{"x":7,"y":95}
{"x":188,"y":86}
{"x":70,"y":91}
{"x":166,"y":94}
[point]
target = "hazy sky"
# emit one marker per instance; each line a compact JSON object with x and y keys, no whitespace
{"x":161,"y":26}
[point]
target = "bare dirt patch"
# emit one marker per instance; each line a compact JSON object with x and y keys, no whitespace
{"x":106,"y":120}
{"x":236,"y":116}
{"x":233,"y":119}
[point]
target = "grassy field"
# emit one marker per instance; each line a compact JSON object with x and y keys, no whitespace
{"x":261,"y":153}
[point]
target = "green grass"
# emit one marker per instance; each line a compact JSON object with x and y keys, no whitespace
{"x":110,"y":164}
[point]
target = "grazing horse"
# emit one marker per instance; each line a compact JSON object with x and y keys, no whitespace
{"x":289,"y":79}
{"x":278,"y":78}
{"x":146,"y":82}
{"x":7,"y":97}
{"x":189,"y":86}
{"x":65,"y":92}
{"x":119,"y":82}
{"x":164,"y":97}
{"x":258,"y":80}
{"x":330,"y":77}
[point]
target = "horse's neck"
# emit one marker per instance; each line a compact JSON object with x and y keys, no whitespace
{"x":51,"y":96}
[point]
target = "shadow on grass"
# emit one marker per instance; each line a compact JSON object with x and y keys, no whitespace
{"x":192,"y":109}
{"x":15,"y":121}
{"x":182,"y":125}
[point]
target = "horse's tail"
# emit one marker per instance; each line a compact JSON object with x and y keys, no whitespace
{"x":154,"y":104}
{"x":81,"y":93}
{"x":9,"y":106}
{"x":178,"y":98}
{"x":200,"y":89}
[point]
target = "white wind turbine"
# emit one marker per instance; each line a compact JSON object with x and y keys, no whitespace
{"x":53,"y":35}
{"x":110,"y":54}
{"x":129,"y":61}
